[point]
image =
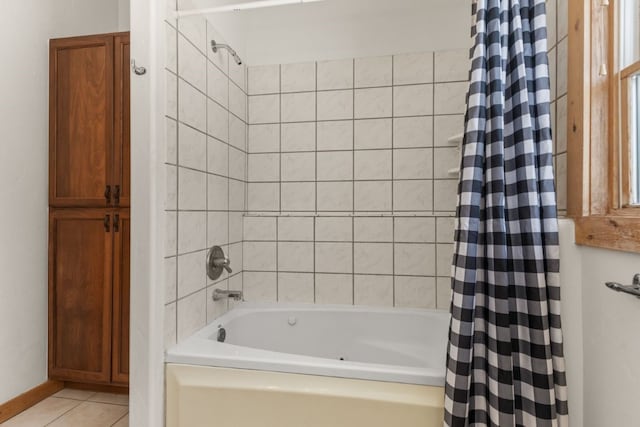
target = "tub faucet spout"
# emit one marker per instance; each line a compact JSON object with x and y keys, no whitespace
{"x":219,"y":294}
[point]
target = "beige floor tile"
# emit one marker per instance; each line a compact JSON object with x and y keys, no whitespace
{"x":42,"y":413}
{"x":91,"y":414}
{"x":69,"y":393}
{"x":112,"y":398}
{"x":124,"y":422}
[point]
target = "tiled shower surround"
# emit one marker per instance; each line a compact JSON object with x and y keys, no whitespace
{"x":352,"y":179}
{"x":205,"y":167}
{"x":325,"y":182}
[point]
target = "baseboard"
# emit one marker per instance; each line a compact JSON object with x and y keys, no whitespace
{"x":26,"y":400}
{"x":104,"y":388}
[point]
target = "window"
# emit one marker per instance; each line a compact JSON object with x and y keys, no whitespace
{"x":628,"y":41}
{"x":603,"y":154}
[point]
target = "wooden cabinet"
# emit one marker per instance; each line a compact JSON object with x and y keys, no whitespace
{"x":89,"y":121}
{"x":120,"y":324}
{"x":89,"y":199}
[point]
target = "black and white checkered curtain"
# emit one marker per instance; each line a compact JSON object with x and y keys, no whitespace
{"x":505,"y":364}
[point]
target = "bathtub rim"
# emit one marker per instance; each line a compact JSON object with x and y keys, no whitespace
{"x":200,"y":350}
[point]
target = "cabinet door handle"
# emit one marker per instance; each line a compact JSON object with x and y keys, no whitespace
{"x":116,"y":223}
{"x":116,"y":195}
{"x":107,"y":194}
{"x":107,"y":223}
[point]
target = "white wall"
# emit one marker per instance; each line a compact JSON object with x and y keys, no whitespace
{"x":337,"y":29}
{"x":572,"y":328}
{"x":124,"y":20}
{"x":27,"y":27}
{"x":602,"y":343}
{"x":611,"y":339}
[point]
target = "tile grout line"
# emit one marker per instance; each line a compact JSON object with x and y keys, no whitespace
{"x":315,"y":155}
{"x":177,"y":178}
{"x":229,"y":113}
{"x":433,"y":137}
{"x":280,"y":186}
{"x":353,"y":179}
{"x":433,"y":173}
{"x":121,"y":418}
{"x":206,"y":186}
{"x":393,"y":180}
{"x":79,"y":402}
{"x":405,"y":116}
{"x":343,"y":89}
{"x":245,"y":185}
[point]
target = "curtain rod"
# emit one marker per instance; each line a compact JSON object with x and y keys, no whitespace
{"x":241,"y":6}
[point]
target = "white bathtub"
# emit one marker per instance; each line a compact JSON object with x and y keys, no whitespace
{"x":370,"y":365}
{"x":394,"y":345}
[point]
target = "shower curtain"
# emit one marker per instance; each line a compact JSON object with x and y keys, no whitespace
{"x":505,"y":363}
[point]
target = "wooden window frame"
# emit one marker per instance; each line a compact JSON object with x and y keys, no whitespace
{"x":595,"y":165}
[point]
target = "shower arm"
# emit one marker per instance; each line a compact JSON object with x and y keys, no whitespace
{"x":215,"y":46}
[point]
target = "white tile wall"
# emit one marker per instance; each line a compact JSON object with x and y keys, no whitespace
{"x":373,"y":290}
{"x":413,"y":100}
{"x":298,"y":167}
{"x":335,"y":105}
{"x":298,"y":77}
{"x":372,"y":103}
{"x":343,"y":184}
{"x":297,"y":137}
{"x":264,"y":79}
{"x":298,"y":196}
{"x":413,"y":68}
{"x":335,"y":135}
{"x":451,"y":65}
{"x":373,"y":133}
{"x":298,"y":107}
{"x":295,"y":229}
{"x":335,"y":74}
{"x":264,"y":138}
{"x":333,"y":288}
{"x":381,"y":159}
{"x":374,"y":72}
{"x":206,"y":173}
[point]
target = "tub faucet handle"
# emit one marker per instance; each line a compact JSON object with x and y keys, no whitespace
{"x":223,"y":262}
{"x":216,"y":261}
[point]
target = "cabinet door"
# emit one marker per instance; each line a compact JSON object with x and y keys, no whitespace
{"x":121,"y":295}
{"x":81,"y":121}
{"x":80,"y":293}
{"x":122,"y":145}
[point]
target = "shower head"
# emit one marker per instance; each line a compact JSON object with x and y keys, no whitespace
{"x":215,"y":46}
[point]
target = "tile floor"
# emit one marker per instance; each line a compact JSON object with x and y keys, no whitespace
{"x":76,"y":408}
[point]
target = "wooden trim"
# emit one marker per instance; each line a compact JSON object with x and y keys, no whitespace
{"x":26,"y":400}
{"x":599,"y":183}
{"x":595,"y":155}
{"x":122,"y":120}
{"x":120,"y":306}
{"x":103,"y":388}
{"x":611,"y":232}
{"x":623,"y":142}
{"x":622,"y":145}
{"x":75,"y":39}
{"x":631,"y":69}
{"x":578,"y":98}
{"x":616,"y":186}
